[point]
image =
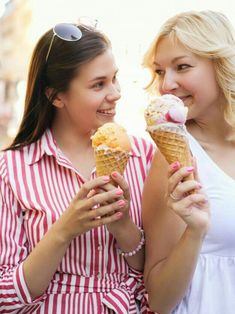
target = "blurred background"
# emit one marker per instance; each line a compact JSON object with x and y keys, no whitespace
{"x":130,"y":24}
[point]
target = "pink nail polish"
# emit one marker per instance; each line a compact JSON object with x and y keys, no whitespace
{"x":121,"y":203}
{"x":175,"y":165}
{"x":114,"y":174}
{"x":106,"y":178}
{"x":190,"y":169}
{"x":119,"y":214}
{"x":119,"y":192}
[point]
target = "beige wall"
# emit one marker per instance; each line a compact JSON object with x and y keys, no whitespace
{"x":14,"y":48}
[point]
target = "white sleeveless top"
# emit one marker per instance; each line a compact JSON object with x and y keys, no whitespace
{"x":212,"y":290}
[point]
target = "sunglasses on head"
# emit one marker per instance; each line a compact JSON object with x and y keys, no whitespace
{"x":70,"y":32}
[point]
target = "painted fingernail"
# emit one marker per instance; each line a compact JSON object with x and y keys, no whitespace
{"x":175,"y":165}
{"x":114,"y":174}
{"x":119,"y":192}
{"x":121,"y":203}
{"x":190,"y":169}
{"x":119,"y":214}
{"x":106,"y":178}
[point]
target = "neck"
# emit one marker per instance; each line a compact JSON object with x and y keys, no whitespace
{"x":216,"y":131}
{"x":70,"y":139}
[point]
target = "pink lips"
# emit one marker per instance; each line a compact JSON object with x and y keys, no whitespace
{"x":175,"y":115}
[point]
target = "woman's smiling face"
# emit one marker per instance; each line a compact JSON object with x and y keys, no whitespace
{"x":91,"y":99}
{"x":188,"y":76}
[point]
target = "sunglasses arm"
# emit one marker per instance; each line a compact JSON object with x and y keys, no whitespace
{"x":49,"y":49}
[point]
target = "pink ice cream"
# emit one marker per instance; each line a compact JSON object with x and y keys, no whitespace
{"x":164,"y":110}
{"x":165,"y":117}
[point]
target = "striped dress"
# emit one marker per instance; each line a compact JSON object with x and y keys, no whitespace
{"x":37,"y":184}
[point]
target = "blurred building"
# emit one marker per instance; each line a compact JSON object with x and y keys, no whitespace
{"x":15,"y":19}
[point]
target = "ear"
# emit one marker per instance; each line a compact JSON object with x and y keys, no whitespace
{"x":57,"y":101}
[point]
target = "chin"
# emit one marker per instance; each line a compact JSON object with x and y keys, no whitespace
{"x":103,"y":121}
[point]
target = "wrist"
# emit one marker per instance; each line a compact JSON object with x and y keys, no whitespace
{"x":137,"y":248}
{"x":196,"y":235}
{"x":61,"y":233}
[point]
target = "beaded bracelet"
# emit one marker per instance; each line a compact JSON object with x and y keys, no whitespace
{"x":137,"y":249}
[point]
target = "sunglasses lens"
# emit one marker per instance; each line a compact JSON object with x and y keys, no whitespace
{"x":67,"y":32}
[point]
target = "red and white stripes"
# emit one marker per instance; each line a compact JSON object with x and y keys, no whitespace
{"x":37,"y":184}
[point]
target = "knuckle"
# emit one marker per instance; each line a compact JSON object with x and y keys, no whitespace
{"x":80,"y":205}
{"x":179,"y":189}
{"x":85,"y":188}
{"x":192,"y":198}
{"x":175,"y":208}
{"x":94,"y":200}
{"x":97,"y":212}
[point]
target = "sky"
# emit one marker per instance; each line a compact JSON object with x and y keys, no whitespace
{"x":131,"y":26}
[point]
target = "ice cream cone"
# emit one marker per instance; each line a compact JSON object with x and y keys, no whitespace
{"x":165,"y":117}
{"x":174,"y":146}
{"x":112,"y":149}
{"x":109,"y":160}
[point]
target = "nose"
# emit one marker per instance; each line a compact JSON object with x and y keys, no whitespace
{"x":168,"y":82}
{"x":114,"y":92}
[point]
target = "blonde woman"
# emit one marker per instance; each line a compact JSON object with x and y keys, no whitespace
{"x":190,"y":247}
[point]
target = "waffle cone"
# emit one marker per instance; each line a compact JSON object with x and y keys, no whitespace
{"x":109,"y":160}
{"x":174,"y":147}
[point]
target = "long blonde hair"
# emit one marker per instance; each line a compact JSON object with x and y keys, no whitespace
{"x":208,"y":34}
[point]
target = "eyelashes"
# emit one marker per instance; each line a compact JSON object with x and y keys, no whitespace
{"x":180,"y":67}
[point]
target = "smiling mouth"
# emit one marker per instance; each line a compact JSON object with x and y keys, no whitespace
{"x":183,"y":98}
{"x":107,"y":112}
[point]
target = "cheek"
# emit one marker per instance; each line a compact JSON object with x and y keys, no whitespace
{"x":159,"y":87}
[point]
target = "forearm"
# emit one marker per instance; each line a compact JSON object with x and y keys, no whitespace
{"x":40,"y":266}
{"x":168,"y":284}
{"x":128,"y":238}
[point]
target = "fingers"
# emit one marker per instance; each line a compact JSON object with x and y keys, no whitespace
{"x":118,"y":178}
{"x":188,"y":201}
{"x":107,"y":210}
{"x":176,"y":177}
{"x":86,"y":188}
{"x":105,"y":220}
{"x":183,"y":189}
{"x":173,"y":168}
{"x":98,"y":198}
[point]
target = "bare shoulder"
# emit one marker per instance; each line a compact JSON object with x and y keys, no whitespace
{"x":163,"y":228}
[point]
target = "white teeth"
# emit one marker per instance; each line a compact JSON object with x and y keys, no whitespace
{"x":110,"y":111}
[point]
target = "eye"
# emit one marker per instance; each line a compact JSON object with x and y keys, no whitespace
{"x":159,"y":72}
{"x":114,"y":78}
{"x":182,"y":67}
{"x":98,"y":85}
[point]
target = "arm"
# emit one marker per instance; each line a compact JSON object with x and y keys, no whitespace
{"x":21,"y":271}
{"x":13,"y":250}
{"x":125,"y":231}
{"x":172,"y":243}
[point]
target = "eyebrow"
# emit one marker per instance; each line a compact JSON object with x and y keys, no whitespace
{"x":101,"y":77}
{"x":98,"y":78}
{"x":174,"y":60}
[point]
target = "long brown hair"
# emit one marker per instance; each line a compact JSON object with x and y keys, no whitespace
{"x":62,"y":66}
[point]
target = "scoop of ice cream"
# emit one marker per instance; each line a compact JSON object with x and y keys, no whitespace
{"x":165,"y":109}
{"x":111,"y":135}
